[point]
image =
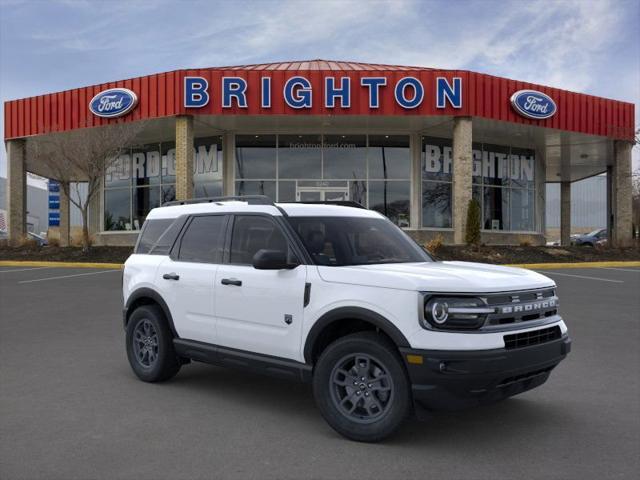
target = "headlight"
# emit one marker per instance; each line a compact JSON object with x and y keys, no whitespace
{"x":455,"y":313}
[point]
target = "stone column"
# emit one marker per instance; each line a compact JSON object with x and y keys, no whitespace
{"x":462,"y":175}
{"x":565,"y":213}
{"x":416,"y":181}
{"x":65,"y":216}
{"x":228,"y":164}
{"x":621,"y":183}
{"x":184,"y":157}
{"x":16,"y":191}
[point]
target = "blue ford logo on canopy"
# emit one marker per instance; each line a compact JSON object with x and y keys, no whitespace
{"x":114,"y":102}
{"x":533,"y":104}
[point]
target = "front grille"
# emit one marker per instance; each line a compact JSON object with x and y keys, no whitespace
{"x":524,"y":306}
{"x":534,"y":337}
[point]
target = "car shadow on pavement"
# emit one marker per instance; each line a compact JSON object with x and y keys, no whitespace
{"x":516,"y":417}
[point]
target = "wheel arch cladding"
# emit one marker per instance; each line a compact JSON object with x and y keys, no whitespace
{"x":147,"y":296}
{"x":345,"y":320}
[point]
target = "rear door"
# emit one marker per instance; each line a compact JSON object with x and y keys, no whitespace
{"x":187,"y":277}
{"x":259,"y":310}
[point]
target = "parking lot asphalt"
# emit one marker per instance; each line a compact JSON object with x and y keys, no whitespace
{"x":70,"y":407}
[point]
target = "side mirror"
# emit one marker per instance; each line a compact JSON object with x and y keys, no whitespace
{"x":272,"y":260}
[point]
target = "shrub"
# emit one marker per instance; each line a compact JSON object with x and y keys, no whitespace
{"x":472,"y":234}
{"x":434,"y":244}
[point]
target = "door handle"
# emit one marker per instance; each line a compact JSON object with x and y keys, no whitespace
{"x":231,"y":281}
{"x":171,"y":276}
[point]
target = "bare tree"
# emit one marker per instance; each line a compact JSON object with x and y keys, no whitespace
{"x":82,"y":156}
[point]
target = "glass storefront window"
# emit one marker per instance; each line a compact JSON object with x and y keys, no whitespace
{"x":495,"y":165}
{"x":207,"y":168}
{"x":299,"y":156}
{"x":391,"y":198}
{"x":496,"y":208}
{"x":118,"y":174}
{"x":522,"y":165}
{"x":389,"y":157}
{"x":500,"y":176}
{"x":146,"y":165}
{"x":117,"y":209}
{"x":144,"y":199}
{"x":168,"y":162}
{"x":256,"y":187}
{"x":255,"y":156}
{"x":168,"y":193}
{"x":345,"y":157}
{"x":522,"y":210}
{"x":436,"y":204}
{"x":437,"y":159}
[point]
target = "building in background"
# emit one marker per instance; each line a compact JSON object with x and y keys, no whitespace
{"x":37,"y":209}
{"x":414,"y":143}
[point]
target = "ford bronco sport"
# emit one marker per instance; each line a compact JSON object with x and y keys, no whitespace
{"x":338,"y":296}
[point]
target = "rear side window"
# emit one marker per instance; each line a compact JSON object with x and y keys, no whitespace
{"x":168,"y":238}
{"x":203,"y":241}
{"x":152,"y":231}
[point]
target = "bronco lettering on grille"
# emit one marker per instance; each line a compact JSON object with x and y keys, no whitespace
{"x":528,"y":307}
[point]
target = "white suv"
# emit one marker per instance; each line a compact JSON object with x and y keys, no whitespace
{"x":339,"y":296}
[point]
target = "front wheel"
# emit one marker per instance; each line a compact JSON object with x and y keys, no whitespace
{"x":361,"y":387}
{"x":150,"y":345}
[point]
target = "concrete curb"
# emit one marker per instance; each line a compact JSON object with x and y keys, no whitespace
{"x":29,"y":263}
{"x":532,"y":266}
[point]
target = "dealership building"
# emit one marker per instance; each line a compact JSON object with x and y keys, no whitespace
{"x":414,"y":143}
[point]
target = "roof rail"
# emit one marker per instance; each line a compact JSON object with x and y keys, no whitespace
{"x":342,"y":203}
{"x":250,"y":199}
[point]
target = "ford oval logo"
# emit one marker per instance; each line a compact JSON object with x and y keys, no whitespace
{"x":114,"y":102}
{"x":533,"y":104}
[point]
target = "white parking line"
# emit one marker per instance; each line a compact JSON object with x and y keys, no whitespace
{"x":68,"y":276}
{"x":24,"y":269}
{"x":546,"y":272}
{"x":637,"y":270}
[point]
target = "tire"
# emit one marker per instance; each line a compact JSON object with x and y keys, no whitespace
{"x":384,"y":398}
{"x":150,"y":345}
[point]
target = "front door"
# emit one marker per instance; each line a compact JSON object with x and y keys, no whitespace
{"x":259,"y":310}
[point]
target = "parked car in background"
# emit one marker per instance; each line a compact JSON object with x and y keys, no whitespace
{"x":590,"y":239}
{"x":39,"y":239}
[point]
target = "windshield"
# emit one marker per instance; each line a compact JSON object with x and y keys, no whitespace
{"x":340,"y":241}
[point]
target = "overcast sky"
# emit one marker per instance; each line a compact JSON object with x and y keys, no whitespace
{"x":582,"y":45}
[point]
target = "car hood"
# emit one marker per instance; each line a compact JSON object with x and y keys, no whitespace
{"x":459,"y":277}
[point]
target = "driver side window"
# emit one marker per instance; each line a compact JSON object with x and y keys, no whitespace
{"x":252,"y":233}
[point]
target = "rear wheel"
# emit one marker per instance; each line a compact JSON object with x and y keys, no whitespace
{"x":361,"y":387}
{"x":150,"y":345}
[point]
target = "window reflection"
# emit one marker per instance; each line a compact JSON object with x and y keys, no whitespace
{"x":255,"y":156}
{"x":300,"y":156}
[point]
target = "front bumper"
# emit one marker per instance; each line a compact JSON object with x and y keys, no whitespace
{"x":449,"y":380}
